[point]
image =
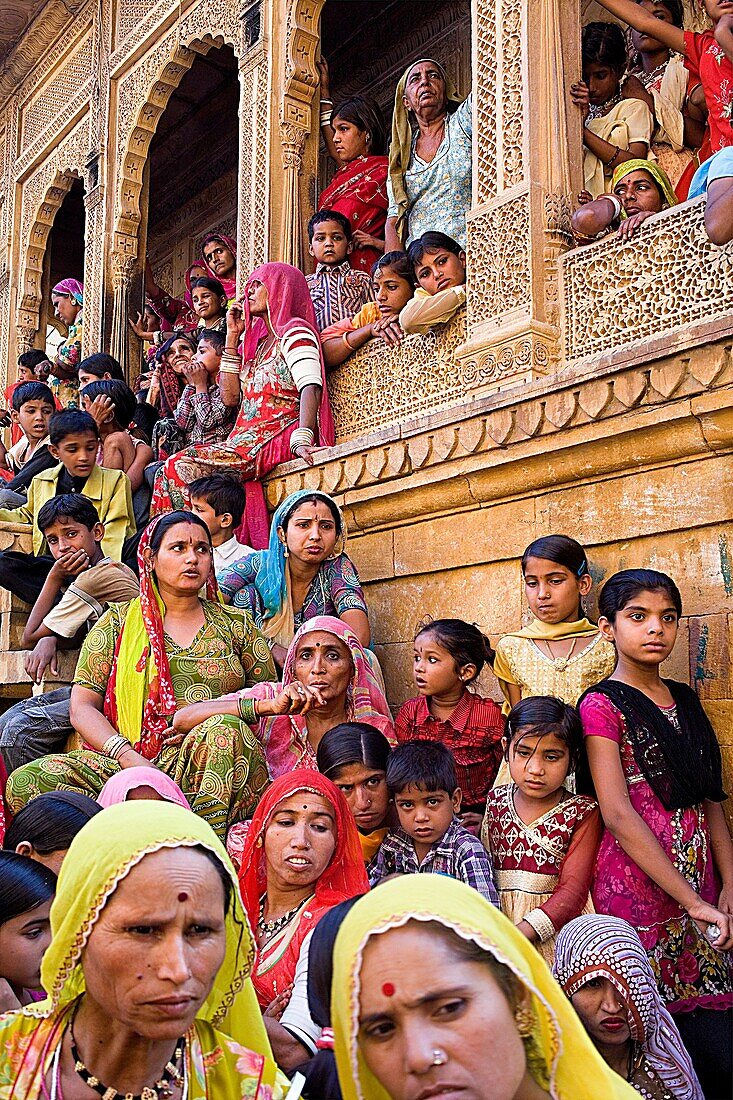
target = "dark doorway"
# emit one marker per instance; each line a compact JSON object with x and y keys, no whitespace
{"x":192,"y":164}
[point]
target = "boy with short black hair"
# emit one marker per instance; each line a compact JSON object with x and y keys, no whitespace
{"x":219,"y":500}
{"x":201,"y":414}
{"x":336,"y":289}
{"x":80,"y":585}
{"x":32,"y":406}
{"x":421,"y":776}
{"x":74,"y":441}
{"x":439,"y":264}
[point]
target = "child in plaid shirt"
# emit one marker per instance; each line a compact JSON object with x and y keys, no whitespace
{"x":421,"y":777}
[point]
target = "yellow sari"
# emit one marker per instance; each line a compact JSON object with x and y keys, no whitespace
{"x":560,"y":1056}
{"x":227,"y":1053}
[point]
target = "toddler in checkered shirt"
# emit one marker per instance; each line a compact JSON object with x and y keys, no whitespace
{"x":421,"y":777}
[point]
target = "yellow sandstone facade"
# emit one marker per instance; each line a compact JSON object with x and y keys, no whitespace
{"x":587,"y":391}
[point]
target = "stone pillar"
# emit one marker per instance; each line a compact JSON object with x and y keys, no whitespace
{"x":527,"y":164}
{"x":92,"y":338}
{"x":124,"y":262}
{"x":254,"y":168}
{"x":293,"y":146}
{"x":299,"y":135}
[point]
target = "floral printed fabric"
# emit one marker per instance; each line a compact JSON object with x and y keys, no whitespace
{"x":439,"y":191}
{"x":334,"y":589}
{"x":707,"y":61}
{"x":219,"y":766}
{"x":689,"y":972}
{"x":217,"y":1066}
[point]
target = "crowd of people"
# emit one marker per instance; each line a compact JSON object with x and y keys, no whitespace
{"x":228,"y":868}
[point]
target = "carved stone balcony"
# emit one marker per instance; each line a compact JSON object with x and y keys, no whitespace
{"x":667,"y":289}
{"x":378,"y":386}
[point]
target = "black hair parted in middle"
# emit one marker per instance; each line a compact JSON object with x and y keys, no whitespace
{"x":432,"y":241}
{"x":428,"y":765}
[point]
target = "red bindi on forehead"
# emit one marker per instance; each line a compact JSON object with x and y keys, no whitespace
{"x":388,"y":989}
{"x":183,"y":896}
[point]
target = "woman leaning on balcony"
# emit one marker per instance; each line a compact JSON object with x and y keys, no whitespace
{"x":638,"y":189}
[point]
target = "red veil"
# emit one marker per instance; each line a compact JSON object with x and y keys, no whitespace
{"x":345,"y":876}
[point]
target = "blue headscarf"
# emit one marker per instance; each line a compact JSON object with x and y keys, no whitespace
{"x":271,"y":580}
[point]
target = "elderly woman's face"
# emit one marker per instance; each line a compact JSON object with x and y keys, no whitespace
{"x":152,"y":956}
{"x":179,"y":355}
{"x":183,"y":560}
{"x":300,"y":840}
{"x":425,"y":89}
{"x":323,"y":661}
{"x":638,"y":192}
{"x":420,"y":1004}
{"x":65,"y":308}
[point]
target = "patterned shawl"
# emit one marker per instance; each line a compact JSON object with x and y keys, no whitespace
{"x":290,"y":307}
{"x":273,"y":578}
{"x":400,"y":150}
{"x":596,"y":946}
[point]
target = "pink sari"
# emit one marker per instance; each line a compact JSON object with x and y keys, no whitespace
{"x":268,"y":413}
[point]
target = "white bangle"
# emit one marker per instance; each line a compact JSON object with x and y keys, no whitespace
{"x":228,"y":370}
{"x":301,"y":437}
{"x":616,"y":204}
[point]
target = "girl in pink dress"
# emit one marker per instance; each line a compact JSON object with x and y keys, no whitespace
{"x":665,"y":862}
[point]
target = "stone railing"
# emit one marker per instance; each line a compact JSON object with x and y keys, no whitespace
{"x":378,"y":386}
{"x":667,"y":289}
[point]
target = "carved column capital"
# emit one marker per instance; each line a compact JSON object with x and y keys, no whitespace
{"x":123,"y":267}
{"x":293,"y":140}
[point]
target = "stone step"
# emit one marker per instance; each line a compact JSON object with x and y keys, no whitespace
{"x":15,"y":683}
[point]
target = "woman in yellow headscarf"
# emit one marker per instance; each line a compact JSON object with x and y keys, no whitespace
{"x":639,"y":188}
{"x":145,"y":660}
{"x":147,"y":972}
{"x":435,"y":990}
{"x":429,"y":181}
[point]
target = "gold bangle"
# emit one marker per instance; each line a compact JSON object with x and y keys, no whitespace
{"x":345,"y":339}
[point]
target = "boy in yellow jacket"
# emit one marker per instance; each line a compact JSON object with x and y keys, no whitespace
{"x":74,"y":441}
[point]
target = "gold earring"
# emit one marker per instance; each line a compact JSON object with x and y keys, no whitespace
{"x":524,"y":1018}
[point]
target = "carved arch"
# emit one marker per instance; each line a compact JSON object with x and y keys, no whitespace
{"x":30,"y":302}
{"x":159,"y":91}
